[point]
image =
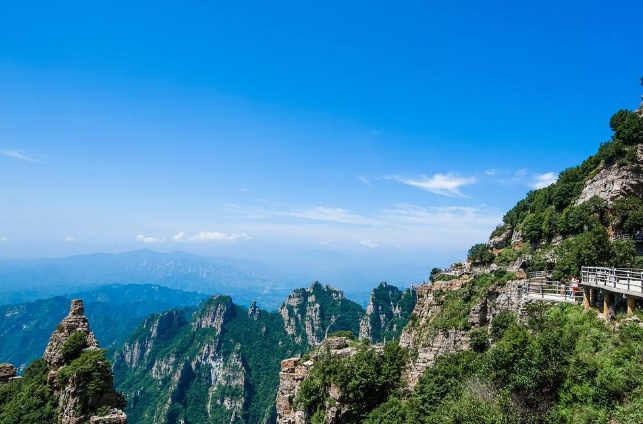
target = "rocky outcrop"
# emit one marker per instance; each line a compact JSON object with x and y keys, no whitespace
{"x":135,"y":353}
{"x":75,"y":322}
{"x":639,"y":111}
{"x":389,"y":310}
{"x":421,"y":338}
{"x":254,"y":312}
{"x":77,"y":403}
{"x":7,"y":372}
{"x":294,"y":371}
{"x":214,"y":313}
{"x":616,"y":181}
{"x":310,"y":314}
{"x":500,"y":241}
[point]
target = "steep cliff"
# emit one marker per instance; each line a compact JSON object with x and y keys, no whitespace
{"x":388,"y":312}
{"x":80,"y":374}
{"x":71,"y":384}
{"x":218,"y":364}
{"x":311,"y":314}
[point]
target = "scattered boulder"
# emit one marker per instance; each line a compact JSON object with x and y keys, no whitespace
{"x":7,"y":372}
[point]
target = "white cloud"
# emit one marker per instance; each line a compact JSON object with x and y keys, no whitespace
{"x":69,"y":239}
{"x":325,"y":242}
{"x":442,"y":184}
{"x":4,"y":239}
{"x":543,"y":180}
{"x":149,"y":240}
{"x":216,"y":236}
{"x":180,"y":236}
{"x":17,"y":155}
{"x":369,"y":243}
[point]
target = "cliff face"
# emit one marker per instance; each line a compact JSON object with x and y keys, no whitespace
{"x":169,"y":358}
{"x":616,"y":181}
{"x":218,"y":364}
{"x":427,"y":336}
{"x":295,"y":370}
{"x":221,"y":363}
{"x":310,"y":314}
{"x":388,"y":312}
{"x":80,"y":374}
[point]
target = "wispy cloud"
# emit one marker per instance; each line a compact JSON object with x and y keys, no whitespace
{"x":369,"y":243}
{"x":325,"y":242}
{"x":69,"y":239}
{"x":442,"y":184}
{"x":217,"y":236}
{"x":321,"y":213}
{"x":210,"y":236}
{"x":365,"y":180}
{"x":18,"y":155}
{"x":4,"y":239}
{"x":543,"y":180}
{"x":148,"y":239}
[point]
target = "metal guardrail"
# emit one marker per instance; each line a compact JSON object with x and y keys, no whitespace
{"x":553,"y":290}
{"x":538,"y":274}
{"x":619,"y":279}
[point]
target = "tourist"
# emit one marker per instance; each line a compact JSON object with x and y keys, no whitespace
{"x":562,"y":287}
{"x":573,"y":286}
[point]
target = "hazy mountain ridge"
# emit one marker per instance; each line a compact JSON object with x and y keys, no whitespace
{"x":114,"y":311}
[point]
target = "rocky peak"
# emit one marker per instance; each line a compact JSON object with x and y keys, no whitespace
{"x":76,"y":402}
{"x":7,"y":372}
{"x":639,"y":111}
{"x":312,"y":313}
{"x":388,"y":311}
{"x":75,"y":322}
{"x":254,"y":312}
{"x":216,"y":311}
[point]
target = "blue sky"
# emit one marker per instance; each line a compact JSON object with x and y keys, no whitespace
{"x":396,"y":132}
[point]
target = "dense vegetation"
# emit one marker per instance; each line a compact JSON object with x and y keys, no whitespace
{"x":29,"y":400}
{"x":392,"y":310}
{"x":561,"y":366}
{"x":250,"y":350}
{"x":365,"y":380}
{"x":552,"y":212}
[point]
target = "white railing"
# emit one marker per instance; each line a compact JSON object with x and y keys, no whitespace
{"x":553,"y":290}
{"x":537,"y":274}
{"x":621,"y":279}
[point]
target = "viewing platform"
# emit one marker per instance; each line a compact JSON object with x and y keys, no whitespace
{"x":623,"y":281}
{"x":553,"y":291}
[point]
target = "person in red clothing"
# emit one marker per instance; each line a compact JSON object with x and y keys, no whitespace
{"x":573,"y":286}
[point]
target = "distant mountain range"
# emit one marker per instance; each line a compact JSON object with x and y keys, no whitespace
{"x":28,"y":280}
{"x":114,"y":312}
{"x":245,"y":280}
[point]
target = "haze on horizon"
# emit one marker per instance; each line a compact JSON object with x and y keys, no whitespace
{"x":285,"y":132}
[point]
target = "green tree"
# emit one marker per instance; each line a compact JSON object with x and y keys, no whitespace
{"x":480,"y":254}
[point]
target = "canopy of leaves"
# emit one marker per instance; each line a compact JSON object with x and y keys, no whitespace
{"x":29,"y":400}
{"x":480,"y":254}
{"x":564,"y":366}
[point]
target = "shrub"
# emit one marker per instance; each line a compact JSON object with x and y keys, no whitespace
{"x":88,"y":371}
{"x":480,"y":254}
{"x":73,"y":346}
{"x":344,"y":333}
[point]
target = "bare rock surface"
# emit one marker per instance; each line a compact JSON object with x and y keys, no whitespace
{"x":7,"y":372}
{"x":615,"y":182}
